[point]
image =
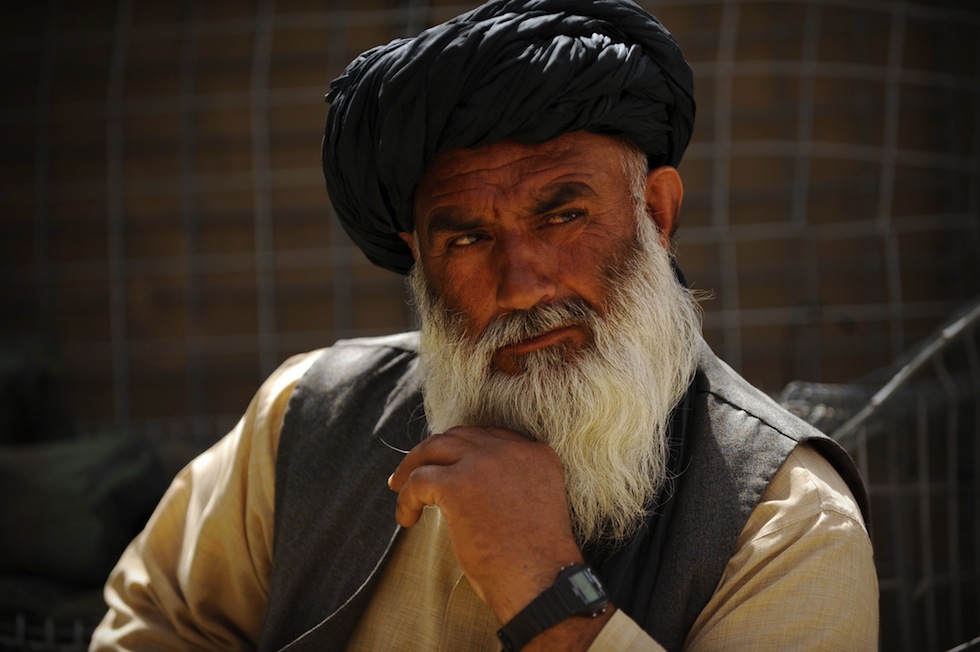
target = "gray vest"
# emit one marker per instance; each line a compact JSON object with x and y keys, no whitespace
{"x":359,"y":403}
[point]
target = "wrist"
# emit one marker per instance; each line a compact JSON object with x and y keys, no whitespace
{"x":511,"y":594}
{"x":575,"y":593}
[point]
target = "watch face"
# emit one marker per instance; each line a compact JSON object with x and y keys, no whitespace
{"x":586,"y":586}
{"x":587,"y":589}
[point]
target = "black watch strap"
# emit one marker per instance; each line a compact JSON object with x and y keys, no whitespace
{"x":576,"y":592}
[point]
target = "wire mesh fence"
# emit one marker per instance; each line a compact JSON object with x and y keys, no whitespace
{"x":166,"y":239}
{"x":166,"y":232}
{"x":916,"y":438}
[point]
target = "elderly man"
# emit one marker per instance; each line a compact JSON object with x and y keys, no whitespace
{"x":557,"y":461}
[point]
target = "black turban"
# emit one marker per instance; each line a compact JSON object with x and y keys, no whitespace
{"x":521,"y":70}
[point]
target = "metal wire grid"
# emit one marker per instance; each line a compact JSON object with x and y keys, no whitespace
{"x":49,"y":637}
{"x":929,"y":549}
{"x":889,"y":304}
{"x":121,"y":347}
{"x":916,"y":438}
{"x":719,"y":244}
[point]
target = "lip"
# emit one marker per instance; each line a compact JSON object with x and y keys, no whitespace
{"x":542,"y":341}
{"x":509,"y":359}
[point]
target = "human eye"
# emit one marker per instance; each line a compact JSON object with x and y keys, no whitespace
{"x":565,"y":216}
{"x":464,"y":240}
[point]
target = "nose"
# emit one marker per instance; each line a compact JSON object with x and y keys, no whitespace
{"x":524,"y":274}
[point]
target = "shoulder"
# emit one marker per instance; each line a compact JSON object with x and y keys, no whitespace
{"x":348,"y":359}
{"x":737,"y":440}
{"x":806,"y":489}
{"x":353,"y":389}
{"x":397,"y":343}
{"x":750,"y":426}
{"x":315,"y":373}
{"x":730,"y":395}
{"x":281,"y":382}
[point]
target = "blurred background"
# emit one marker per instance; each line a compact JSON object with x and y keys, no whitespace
{"x":166,"y":241}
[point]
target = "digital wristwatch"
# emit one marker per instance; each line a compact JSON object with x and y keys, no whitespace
{"x":576,"y":592}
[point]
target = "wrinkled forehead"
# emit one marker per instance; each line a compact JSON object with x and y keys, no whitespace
{"x":510,"y":165}
{"x":467,"y":181}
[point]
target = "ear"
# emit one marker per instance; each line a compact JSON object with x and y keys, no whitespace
{"x":664,"y":196}
{"x":409,"y":239}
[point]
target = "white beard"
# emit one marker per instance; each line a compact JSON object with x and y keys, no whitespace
{"x":604,"y":408}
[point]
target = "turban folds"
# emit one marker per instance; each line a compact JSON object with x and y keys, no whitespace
{"x":520,"y":70}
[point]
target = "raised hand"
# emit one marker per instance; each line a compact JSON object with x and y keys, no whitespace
{"x":503,"y":499}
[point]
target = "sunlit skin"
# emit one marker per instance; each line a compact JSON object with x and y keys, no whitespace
{"x":500,"y":229}
{"x":504,"y":227}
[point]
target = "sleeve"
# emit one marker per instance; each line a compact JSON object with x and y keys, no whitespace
{"x":621,"y":634}
{"x":197,"y":575}
{"x":802,"y":575}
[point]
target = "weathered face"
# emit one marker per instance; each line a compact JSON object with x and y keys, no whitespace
{"x":549,"y":308}
{"x":505,"y":227}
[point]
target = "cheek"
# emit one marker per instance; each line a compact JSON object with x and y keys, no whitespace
{"x":599,"y":276}
{"x":462,"y":292}
{"x":590,"y":268}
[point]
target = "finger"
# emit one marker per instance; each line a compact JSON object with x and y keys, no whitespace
{"x":439,"y":450}
{"x":425,"y":486}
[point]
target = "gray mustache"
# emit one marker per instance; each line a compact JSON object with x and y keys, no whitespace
{"x":514,"y":327}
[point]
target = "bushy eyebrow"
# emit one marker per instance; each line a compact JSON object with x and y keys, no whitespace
{"x":455,"y":219}
{"x":561,"y":194}
{"x":451,"y":220}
